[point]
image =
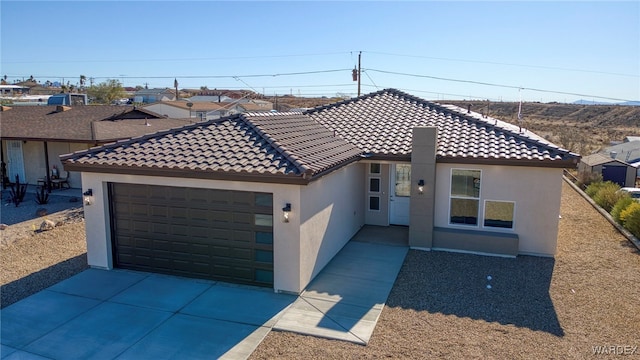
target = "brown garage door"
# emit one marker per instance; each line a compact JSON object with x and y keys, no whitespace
{"x":205,"y":233}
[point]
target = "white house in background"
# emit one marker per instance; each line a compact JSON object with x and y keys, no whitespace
{"x":270,"y":198}
{"x":210,"y":98}
{"x":197,"y":110}
{"x":148,"y":96}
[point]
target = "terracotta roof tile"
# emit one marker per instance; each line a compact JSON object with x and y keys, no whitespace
{"x":381,"y":124}
{"x":285,"y":144}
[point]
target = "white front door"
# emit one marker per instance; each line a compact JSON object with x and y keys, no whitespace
{"x":15,"y":165}
{"x":399,"y":194}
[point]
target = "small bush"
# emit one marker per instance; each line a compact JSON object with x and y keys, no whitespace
{"x":593,"y":188}
{"x":42,"y":196}
{"x":588,"y":178}
{"x":608,"y":195}
{"x":622,"y":204}
{"x":631,"y":218}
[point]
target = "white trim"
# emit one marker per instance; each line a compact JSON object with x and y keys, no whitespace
{"x":479,"y":198}
{"x":493,"y":228}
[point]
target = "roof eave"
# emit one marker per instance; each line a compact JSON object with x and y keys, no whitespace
{"x":188,"y":173}
{"x":570,"y":163}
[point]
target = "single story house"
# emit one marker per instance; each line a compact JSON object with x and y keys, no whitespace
{"x":148,"y":96}
{"x":34,"y":137}
{"x":199,"y":110}
{"x":615,"y":170}
{"x":270,"y":198}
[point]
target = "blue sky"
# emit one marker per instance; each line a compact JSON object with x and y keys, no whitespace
{"x":563,"y":48}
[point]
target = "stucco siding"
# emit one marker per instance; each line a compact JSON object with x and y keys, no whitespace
{"x":286,"y":235}
{"x":34,"y":161}
{"x":168,"y":110}
{"x":535,"y":191}
{"x":331,"y":214}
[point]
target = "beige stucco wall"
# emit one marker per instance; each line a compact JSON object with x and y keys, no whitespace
{"x":169,"y":111}
{"x":536,"y":192}
{"x":34,"y":161}
{"x":331,"y":214}
{"x":287,"y":274}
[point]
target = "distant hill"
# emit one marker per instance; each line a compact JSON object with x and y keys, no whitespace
{"x":590,"y":102}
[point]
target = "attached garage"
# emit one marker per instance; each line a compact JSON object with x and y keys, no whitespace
{"x":205,"y":233}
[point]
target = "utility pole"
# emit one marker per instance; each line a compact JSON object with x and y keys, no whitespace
{"x":359,"y":72}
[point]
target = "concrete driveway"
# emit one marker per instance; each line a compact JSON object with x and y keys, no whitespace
{"x":119,"y":314}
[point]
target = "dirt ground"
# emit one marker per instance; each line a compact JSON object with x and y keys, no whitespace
{"x":440,"y":306}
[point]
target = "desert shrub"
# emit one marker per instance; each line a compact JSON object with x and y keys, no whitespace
{"x":593,"y":188}
{"x":608,"y":195}
{"x":630,"y":217}
{"x":622,"y":204}
{"x":588,"y":178}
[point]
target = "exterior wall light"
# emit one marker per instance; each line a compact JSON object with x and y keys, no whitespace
{"x":420,"y":186}
{"x":286,"y":210}
{"x":88,"y":197}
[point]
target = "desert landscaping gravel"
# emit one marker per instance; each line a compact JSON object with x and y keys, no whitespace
{"x":440,"y":306}
{"x":537,"y":308}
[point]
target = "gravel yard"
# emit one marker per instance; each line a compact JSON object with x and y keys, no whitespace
{"x":537,"y":308}
{"x":440,"y":306}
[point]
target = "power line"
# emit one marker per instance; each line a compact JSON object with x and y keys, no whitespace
{"x":197,"y":76}
{"x":237,"y":77}
{"x":503,"y":64}
{"x":495,"y":85}
{"x":173,"y":59}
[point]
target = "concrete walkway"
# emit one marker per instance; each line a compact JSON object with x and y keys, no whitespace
{"x":345,"y":300}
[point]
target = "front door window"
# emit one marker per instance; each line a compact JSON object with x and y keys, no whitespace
{"x":403,"y":180}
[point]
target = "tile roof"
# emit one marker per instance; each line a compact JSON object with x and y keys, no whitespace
{"x":73,"y":124}
{"x":283,"y":145}
{"x":600,"y":159}
{"x":381,"y":125}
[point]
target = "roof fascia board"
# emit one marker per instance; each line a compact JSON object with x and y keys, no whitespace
{"x":188,"y":173}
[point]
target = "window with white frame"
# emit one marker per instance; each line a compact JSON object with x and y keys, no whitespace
{"x":499,"y":214}
{"x":464,"y":202}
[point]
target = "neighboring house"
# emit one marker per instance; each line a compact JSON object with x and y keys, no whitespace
{"x":210,"y":98}
{"x":615,"y":170}
{"x":270,"y":198}
{"x":148,"y":96}
{"x":34,"y":137}
{"x":198,"y":110}
{"x":628,"y":151}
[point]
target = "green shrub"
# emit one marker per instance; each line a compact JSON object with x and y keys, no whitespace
{"x":593,"y":188}
{"x":622,"y":204}
{"x":608,"y":195}
{"x":631,"y":218}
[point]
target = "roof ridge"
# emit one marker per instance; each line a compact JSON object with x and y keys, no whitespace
{"x":295,"y":160}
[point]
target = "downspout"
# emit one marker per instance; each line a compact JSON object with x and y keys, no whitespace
{"x":46,"y":163}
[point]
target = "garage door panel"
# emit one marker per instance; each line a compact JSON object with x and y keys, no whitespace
{"x":208,"y":233}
